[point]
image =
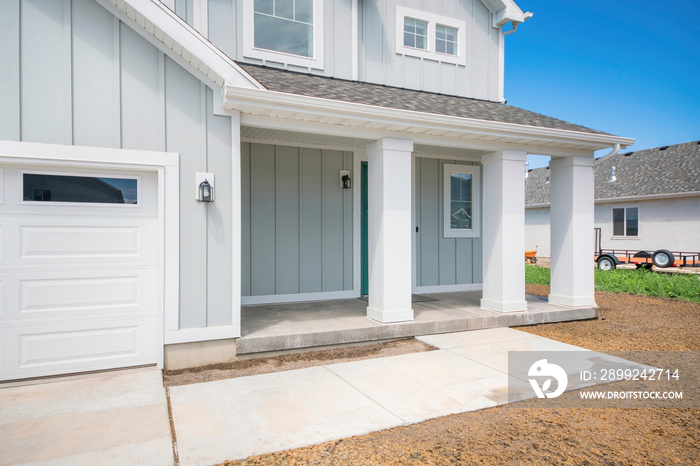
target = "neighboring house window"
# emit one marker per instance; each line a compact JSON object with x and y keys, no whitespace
{"x":415,"y":33}
{"x":461,"y":201}
{"x":284,"y":31}
{"x":427,"y":35}
{"x":285,"y":26}
{"x":625,"y":221}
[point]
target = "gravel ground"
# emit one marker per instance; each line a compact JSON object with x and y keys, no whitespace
{"x":527,"y":435}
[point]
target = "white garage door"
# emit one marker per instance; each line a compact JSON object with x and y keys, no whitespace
{"x":78,"y":270}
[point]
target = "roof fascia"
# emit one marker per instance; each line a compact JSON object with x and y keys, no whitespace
{"x":234,"y":98}
{"x":647,"y":197}
{"x":163,"y":28}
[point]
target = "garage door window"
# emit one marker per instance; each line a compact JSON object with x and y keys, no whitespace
{"x":48,"y":187}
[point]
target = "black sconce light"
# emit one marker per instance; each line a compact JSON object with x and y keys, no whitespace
{"x":205,"y":192}
{"x":204,"y":187}
{"x":345,"y":181}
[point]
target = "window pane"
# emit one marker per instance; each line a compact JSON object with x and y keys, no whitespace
{"x":415,"y":33}
{"x":632,"y":221}
{"x":283,"y":35}
{"x":304,"y":11}
{"x":446,"y":40}
{"x":64,"y":188}
{"x":284,"y":9}
{"x":618,"y":222}
{"x":461,"y":202}
{"x":263,"y":6}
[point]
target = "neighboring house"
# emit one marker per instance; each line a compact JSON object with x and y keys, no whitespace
{"x":651,"y":203}
{"x":295,"y":112}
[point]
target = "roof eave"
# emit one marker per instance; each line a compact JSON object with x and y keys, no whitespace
{"x":265,"y":102}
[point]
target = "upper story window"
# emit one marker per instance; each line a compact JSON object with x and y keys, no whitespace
{"x":285,"y":26}
{"x":625,"y":221}
{"x":427,"y":35}
{"x":284,"y":31}
{"x":415,"y":33}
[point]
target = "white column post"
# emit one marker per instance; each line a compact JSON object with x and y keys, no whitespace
{"x":572,"y":187}
{"x":389,"y":230}
{"x":504,"y":231}
{"x":236,"y":222}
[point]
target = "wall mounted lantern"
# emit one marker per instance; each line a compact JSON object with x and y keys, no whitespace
{"x":204,"y":187}
{"x":345,"y":181}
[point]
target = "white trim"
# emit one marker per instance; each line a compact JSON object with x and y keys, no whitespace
{"x":298,"y":297}
{"x":236,"y":223}
{"x":355,"y":50}
{"x":357,"y":158}
{"x":433,"y":21}
{"x":2,"y":189}
{"x":191,"y":335}
{"x":250,"y":51}
{"x":474,"y":171}
{"x":448,"y":288}
{"x":167,"y":165}
{"x":647,"y":197}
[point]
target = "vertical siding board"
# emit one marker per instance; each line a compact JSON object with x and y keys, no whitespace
{"x":348,"y":227}
{"x":332,"y":221}
{"x":417,"y":198}
{"x":140,"y":103}
{"x":219,"y":221}
{"x":287,"y":221}
{"x":221,"y":34}
{"x":245,"y":219}
{"x":448,"y":78}
{"x":431,"y":76}
{"x":446,"y":246}
{"x":477,"y":243}
{"x":430,"y":222}
{"x":262,"y":219}
{"x":341,"y":45}
{"x":481,"y":51}
{"x":374,"y":42}
{"x":184,"y":126}
{"x":311,"y":221}
{"x":95,"y":85}
{"x":45,"y":69}
{"x":10,"y":70}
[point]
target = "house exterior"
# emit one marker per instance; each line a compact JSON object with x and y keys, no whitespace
{"x":298,"y":114}
{"x":652,"y":202}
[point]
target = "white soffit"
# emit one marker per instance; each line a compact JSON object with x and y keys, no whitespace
{"x":155,"y":21}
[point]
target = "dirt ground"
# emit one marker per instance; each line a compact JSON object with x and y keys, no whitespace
{"x":527,"y":435}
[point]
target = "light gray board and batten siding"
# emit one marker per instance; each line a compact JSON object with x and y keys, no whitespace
{"x":297,"y":221}
{"x":80,"y":76}
{"x":379,"y":63}
{"x":440,"y":260}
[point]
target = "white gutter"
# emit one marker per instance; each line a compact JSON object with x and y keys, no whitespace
{"x":235,"y":98}
{"x":646,"y":197}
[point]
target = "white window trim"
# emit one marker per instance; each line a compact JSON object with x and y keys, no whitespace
{"x":250,"y":51}
{"x":612,"y":222}
{"x":474,"y":171}
{"x":433,"y":20}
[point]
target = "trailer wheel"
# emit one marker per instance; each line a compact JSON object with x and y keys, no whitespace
{"x":663,"y":258}
{"x":533,"y":260}
{"x":606,"y":263}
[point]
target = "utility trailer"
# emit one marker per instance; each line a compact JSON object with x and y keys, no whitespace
{"x":609,"y":259}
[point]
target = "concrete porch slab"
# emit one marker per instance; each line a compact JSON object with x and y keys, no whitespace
{"x":305,"y":325}
{"x":118,"y":417}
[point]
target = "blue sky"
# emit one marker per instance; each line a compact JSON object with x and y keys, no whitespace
{"x":626,"y":67}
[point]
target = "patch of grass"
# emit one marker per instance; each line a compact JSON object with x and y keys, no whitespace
{"x":536,"y":274}
{"x":634,"y":281}
{"x":645,"y":282}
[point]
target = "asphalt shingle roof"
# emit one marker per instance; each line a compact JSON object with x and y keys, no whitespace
{"x":675,"y":169}
{"x":404,"y":99}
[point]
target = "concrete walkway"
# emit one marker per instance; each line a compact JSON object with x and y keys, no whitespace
{"x":118,"y":418}
{"x":234,"y":418}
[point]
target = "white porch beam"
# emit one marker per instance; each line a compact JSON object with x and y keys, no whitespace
{"x":504,"y":231}
{"x":389,"y":229}
{"x":572,"y":211}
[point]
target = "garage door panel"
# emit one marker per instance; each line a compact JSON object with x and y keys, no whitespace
{"x":79,"y":241}
{"x":53,"y":349}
